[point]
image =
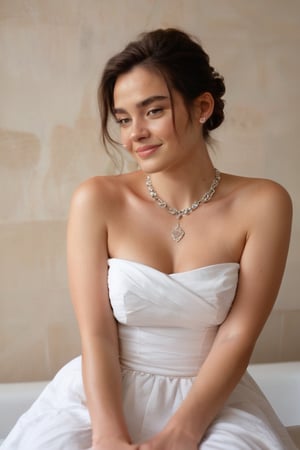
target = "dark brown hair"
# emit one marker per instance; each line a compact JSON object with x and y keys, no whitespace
{"x":182,"y":63}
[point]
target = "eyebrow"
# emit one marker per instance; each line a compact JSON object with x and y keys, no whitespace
{"x":143,"y":103}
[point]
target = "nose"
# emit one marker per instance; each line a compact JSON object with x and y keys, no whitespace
{"x":139,"y":131}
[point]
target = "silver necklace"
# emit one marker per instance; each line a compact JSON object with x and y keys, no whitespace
{"x":178,"y":232}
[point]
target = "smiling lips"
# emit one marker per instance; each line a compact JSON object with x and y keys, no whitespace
{"x":146,"y":150}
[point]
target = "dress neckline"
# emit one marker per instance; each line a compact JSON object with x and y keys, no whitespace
{"x":197,"y":269}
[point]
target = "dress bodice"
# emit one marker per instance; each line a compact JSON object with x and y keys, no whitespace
{"x":169,"y":322}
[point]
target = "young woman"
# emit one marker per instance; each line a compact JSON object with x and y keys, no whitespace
{"x":174,"y":269}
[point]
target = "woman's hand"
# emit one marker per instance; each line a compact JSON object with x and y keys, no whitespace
{"x":170,"y":440}
{"x":114,"y":444}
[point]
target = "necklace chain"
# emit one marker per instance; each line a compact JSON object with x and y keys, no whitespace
{"x":178,"y":233}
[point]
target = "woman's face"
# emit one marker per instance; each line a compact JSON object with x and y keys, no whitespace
{"x":143,"y":109}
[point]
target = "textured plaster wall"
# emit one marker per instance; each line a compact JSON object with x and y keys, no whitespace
{"x":52,"y":53}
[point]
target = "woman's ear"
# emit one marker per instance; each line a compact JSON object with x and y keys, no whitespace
{"x":204,"y":107}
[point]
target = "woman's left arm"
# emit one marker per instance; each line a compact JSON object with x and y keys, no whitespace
{"x":261,"y":269}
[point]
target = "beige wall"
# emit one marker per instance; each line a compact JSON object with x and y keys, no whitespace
{"x":52,"y":53}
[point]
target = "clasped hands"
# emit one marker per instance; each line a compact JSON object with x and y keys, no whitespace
{"x":161,"y":441}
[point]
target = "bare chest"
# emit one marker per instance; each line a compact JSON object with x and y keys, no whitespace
{"x":145,"y":233}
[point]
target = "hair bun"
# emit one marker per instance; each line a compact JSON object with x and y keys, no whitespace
{"x":217,"y":91}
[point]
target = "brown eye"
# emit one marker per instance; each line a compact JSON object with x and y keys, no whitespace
{"x":155,"y":111}
{"x":123,"y":121}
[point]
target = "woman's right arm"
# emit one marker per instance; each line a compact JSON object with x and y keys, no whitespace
{"x":87,"y":266}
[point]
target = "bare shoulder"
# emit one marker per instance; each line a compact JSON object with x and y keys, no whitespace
{"x":101,"y":193}
{"x":255,"y":194}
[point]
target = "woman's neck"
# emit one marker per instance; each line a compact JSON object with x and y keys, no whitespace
{"x":181,"y":186}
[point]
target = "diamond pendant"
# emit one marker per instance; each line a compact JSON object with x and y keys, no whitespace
{"x":177,"y":233}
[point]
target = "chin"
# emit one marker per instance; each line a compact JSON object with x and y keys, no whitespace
{"x":151,"y":168}
{"x":153,"y":165}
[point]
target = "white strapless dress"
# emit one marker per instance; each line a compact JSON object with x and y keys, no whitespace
{"x":167,"y":324}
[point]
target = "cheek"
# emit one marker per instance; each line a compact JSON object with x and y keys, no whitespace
{"x":163,"y":130}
